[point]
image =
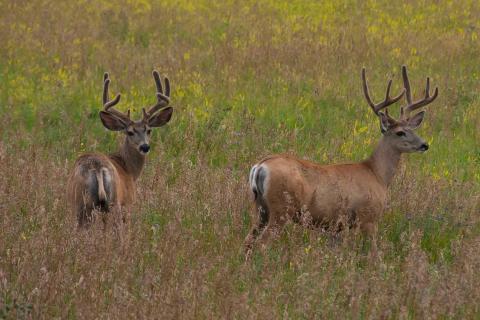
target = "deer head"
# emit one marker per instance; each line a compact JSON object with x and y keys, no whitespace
{"x":400,"y":132}
{"x":137,"y":132}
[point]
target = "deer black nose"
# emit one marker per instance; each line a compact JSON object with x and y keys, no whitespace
{"x":424,"y":147}
{"x":144,"y":148}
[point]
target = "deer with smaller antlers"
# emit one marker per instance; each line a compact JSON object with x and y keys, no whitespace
{"x":285,"y":187}
{"x":107,"y":182}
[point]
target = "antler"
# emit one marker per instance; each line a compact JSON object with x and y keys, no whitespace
{"x":385,"y":103}
{"x":163,"y":98}
{"x":108,"y":104}
{"x":411,"y":106}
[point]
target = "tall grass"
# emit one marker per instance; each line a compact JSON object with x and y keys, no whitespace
{"x":249,"y":79}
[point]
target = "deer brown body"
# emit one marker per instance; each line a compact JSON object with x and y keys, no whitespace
{"x":107,"y":182}
{"x":287,"y":188}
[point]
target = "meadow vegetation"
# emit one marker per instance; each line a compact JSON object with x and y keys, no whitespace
{"x":249,"y":78}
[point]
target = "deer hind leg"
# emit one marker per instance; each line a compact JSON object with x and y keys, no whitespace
{"x":258,"y":227}
{"x":84,"y":212}
{"x":82,"y":220}
{"x":272,"y":217}
{"x":270,"y":224}
{"x":105,"y":218}
{"x":278,"y":217}
{"x":120,"y":215}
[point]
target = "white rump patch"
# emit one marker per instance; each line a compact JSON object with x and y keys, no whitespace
{"x":107,"y":178}
{"x":252,"y":180}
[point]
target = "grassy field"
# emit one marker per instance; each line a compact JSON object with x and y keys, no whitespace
{"x":249,"y":79}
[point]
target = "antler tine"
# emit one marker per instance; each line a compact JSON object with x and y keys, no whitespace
{"x":163,"y":98}
{"x":411,"y":106}
{"x":158,"y":83}
{"x":406,"y":85}
{"x":167,"y":87}
{"x":108,"y":104}
{"x":365,"y":90}
{"x":106,"y":83}
{"x":427,"y":89}
{"x":388,"y":100}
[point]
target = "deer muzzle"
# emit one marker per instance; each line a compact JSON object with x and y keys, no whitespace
{"x":144,"y":148}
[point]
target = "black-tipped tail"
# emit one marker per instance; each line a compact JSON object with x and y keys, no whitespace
{"x":258,"y":176}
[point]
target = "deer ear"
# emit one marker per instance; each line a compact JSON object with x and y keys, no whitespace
{"x":112,"y":122}
{"x":415,"y":121}
{"x":160,"y":118}
{"x":385,"y":122}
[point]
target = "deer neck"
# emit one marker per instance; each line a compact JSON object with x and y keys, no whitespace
{"x":384,"y":161}
{"x":130,"y":159}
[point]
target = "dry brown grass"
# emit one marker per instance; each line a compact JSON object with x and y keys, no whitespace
{"x":188,"y":263}
{"x":249,"y":79}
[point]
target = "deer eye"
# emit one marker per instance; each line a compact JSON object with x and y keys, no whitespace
{"x":401,"y":133}
{"x":149,"y":131}
{"x":130,"y":133}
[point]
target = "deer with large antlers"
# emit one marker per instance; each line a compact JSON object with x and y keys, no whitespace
{"x":105,"y":182}
{"x":287,"y":188}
